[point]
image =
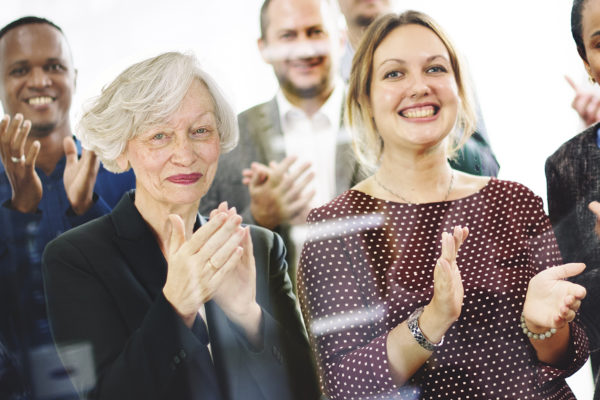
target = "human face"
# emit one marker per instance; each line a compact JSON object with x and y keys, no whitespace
{"x":363,"y":12}
{"x":298,"y":45}
{"x":175,"y":163}
{"x":37,"y":77}
{"x":414,"y":95}
{"x":590,"y":21}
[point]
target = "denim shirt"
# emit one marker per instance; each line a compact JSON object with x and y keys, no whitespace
{"x":23,"y":237}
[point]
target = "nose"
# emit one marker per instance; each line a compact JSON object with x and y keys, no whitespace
{"x":39,"y":78}
{"x":183,"y":151}
{"x":419,"y":86}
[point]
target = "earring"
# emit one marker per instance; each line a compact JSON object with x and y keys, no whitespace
{"x":591,"y":78}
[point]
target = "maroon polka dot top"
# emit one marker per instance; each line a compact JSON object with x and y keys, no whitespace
{"x":368,"y":264}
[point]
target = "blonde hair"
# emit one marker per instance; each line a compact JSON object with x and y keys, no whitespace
{"x":144,"y":95}
{"x":367,"y":143}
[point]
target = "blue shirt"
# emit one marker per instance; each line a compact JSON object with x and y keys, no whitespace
{"x":23,"y":237}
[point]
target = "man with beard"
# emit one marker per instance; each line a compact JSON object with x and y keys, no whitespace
{"x":294,"y":152}
{"x":45,"y":189}
{"x":476,"y":156}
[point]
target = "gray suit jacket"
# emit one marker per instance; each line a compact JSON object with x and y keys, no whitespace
{"x":261,"y":140}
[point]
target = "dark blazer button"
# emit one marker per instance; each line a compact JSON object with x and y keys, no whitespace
{"x":182,"y":354}
{"x":176,"y":360}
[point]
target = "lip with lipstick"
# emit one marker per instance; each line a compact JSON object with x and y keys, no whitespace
{"x":185,"y":179}
{"x":423,"y":112}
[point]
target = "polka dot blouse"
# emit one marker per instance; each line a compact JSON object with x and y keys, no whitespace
{"x":368,"y":264}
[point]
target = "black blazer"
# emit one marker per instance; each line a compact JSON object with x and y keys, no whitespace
{"x":104,"y":285}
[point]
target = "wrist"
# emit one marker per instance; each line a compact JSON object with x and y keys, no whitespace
{"x":22,"y":206}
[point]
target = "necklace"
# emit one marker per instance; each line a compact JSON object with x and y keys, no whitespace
{"x":410,"y":202}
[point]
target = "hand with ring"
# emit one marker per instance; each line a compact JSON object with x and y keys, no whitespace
{"x":18,"y":154}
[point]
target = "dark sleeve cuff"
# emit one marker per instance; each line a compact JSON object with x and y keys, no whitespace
{"x":98,"y":209}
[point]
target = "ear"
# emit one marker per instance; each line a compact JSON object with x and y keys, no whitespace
{"x":122,"y":161}
{"x":263,"y":49}
{"x":586,"y":64}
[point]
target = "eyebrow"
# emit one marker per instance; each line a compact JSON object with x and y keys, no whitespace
{"x":48,"y":60}
{"x":597,"y":33}
{"x":429,"y":59}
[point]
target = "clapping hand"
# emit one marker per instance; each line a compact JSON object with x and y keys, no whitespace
{"x":19,"y":163}
{"x":80,"y":176}
{"x":552,"y":301}
{"x":278,"y":193}
{"x":448,"y":289}
{"x":586,"y":103}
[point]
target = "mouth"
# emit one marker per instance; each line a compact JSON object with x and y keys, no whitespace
{"x":306,"y":63}
{"x":419,"y":112}
{"x":40,"y":100}
{"x":185,"y":179}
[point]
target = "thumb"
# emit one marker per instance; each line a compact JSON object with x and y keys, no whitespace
{"x":70,"y":150}
{"x":594,"y":207}
{"x":177,"y":237}
{"x":568,"y":270}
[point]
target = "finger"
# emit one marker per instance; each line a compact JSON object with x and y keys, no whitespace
{"x":177,"y":237}
{"x":458,"y":238}
{"x":223,"y":206}
{"x":21,"y":139}
{"x":217,"y":279}
{"x":448,"y":251}
{"x":301,"y":204}
{"x":90,"y":163}
{"x":279,"y":169}
{"x":225,"y":251}
{"x":70,"y":150}
{"x":14,"y":131}
{"x":32,"y":155}
{"x":296,"y":190}
{"x":571,"y":82}
{"x":212,"y":234}
{"x":567,"y":270}
{"x":4,"y":138}
{"x":594,"y":207}
{"x":298,"y":172}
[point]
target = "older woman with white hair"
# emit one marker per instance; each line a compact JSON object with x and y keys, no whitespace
{"x":175,"y":306}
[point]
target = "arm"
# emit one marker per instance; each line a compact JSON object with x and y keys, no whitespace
{"x":346,"y":319}
{"x":81,"y":310}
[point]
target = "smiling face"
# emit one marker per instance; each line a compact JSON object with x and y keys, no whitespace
{"x":590,"y":32}
{"x":298,"y":45}
{"x":413,"y":94}
{"x":37,"y":77}
{"x":175,"y":163}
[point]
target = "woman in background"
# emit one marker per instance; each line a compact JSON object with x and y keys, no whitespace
{"x":390,"y":312}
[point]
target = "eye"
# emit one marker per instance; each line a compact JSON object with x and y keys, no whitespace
{"x":158,"y":136}
{"x":392,"y":75}
{"x":316,"y":32}
{"x":19,"y":71}
{"x":55,"y":67}
{"x":287,"y":36}
{"x":437,"y":68}
{"x":202,"y":132}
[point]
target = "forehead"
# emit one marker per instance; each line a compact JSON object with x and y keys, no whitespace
{"x":33,"y":43}
{"x":590,"y":18}
{"x":295,"y":14}
{"x":197,"y":102}
{"x":410,"y":42}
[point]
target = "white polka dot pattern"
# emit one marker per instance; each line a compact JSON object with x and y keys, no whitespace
{"x":368,"y":263}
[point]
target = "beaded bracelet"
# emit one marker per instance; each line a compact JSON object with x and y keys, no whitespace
{"x":540,"y":336}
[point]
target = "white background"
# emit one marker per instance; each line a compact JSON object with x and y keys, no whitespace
{"x":518,"y":52}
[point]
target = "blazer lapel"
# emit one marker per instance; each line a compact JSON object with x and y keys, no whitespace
{"x":268,"y":133}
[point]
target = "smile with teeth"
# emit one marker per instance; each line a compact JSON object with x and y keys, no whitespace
{"x":419,"y":112}
{"x":38,"y":101}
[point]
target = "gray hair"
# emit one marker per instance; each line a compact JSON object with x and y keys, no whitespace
{"x":145,"y":95}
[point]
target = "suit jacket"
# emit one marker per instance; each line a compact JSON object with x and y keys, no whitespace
{"x":104,"y":285}
{"x":261,"y":140}
{"x":573,"y":181}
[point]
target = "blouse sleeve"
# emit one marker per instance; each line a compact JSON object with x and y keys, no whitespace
{"x":348,"y":336}
{"x":544,"y":253}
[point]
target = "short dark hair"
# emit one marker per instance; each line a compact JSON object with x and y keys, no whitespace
{"x":25,"y":21}
{"x":577,"y":26}
{"x":264,"y":19}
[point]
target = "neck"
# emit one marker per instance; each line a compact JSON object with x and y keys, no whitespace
{"x":156,"y":214}
{"x":422,"y":178}
{"x":309,"y":105}
{"x":355,"y":33}
{"x":51,"y":149}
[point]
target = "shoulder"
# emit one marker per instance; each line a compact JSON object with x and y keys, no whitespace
{"x":256,"y":111}
{"x":87,"y":238}
{"x":573,"y":147}
{"x":512,"y":194}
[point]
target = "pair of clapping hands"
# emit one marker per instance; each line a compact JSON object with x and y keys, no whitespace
{"x":277,"y":192}
{"x":215,"y":263}
{"x":551,"y":301}
{"x":19,"y":156}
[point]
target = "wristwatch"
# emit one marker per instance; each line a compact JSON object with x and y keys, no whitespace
{"x":415,"y":330}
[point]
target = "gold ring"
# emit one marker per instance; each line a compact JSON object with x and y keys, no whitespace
{"x":212,"y":265}
{"x":17,"y":160}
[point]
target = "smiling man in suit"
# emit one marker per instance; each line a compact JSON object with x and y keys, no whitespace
{"x":294,"y":153}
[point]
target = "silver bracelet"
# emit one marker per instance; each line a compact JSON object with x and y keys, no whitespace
{"x":537,"y":336}
{"x":415,"y":330}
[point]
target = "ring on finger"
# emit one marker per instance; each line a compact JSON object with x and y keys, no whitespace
{"x":212,"y":264}
{"x":17,"y":160}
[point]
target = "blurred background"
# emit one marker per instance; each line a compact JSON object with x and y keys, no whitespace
{"x":518,"y":53}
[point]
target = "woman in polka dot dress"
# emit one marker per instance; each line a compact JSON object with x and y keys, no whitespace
{"x":394,"y":309}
